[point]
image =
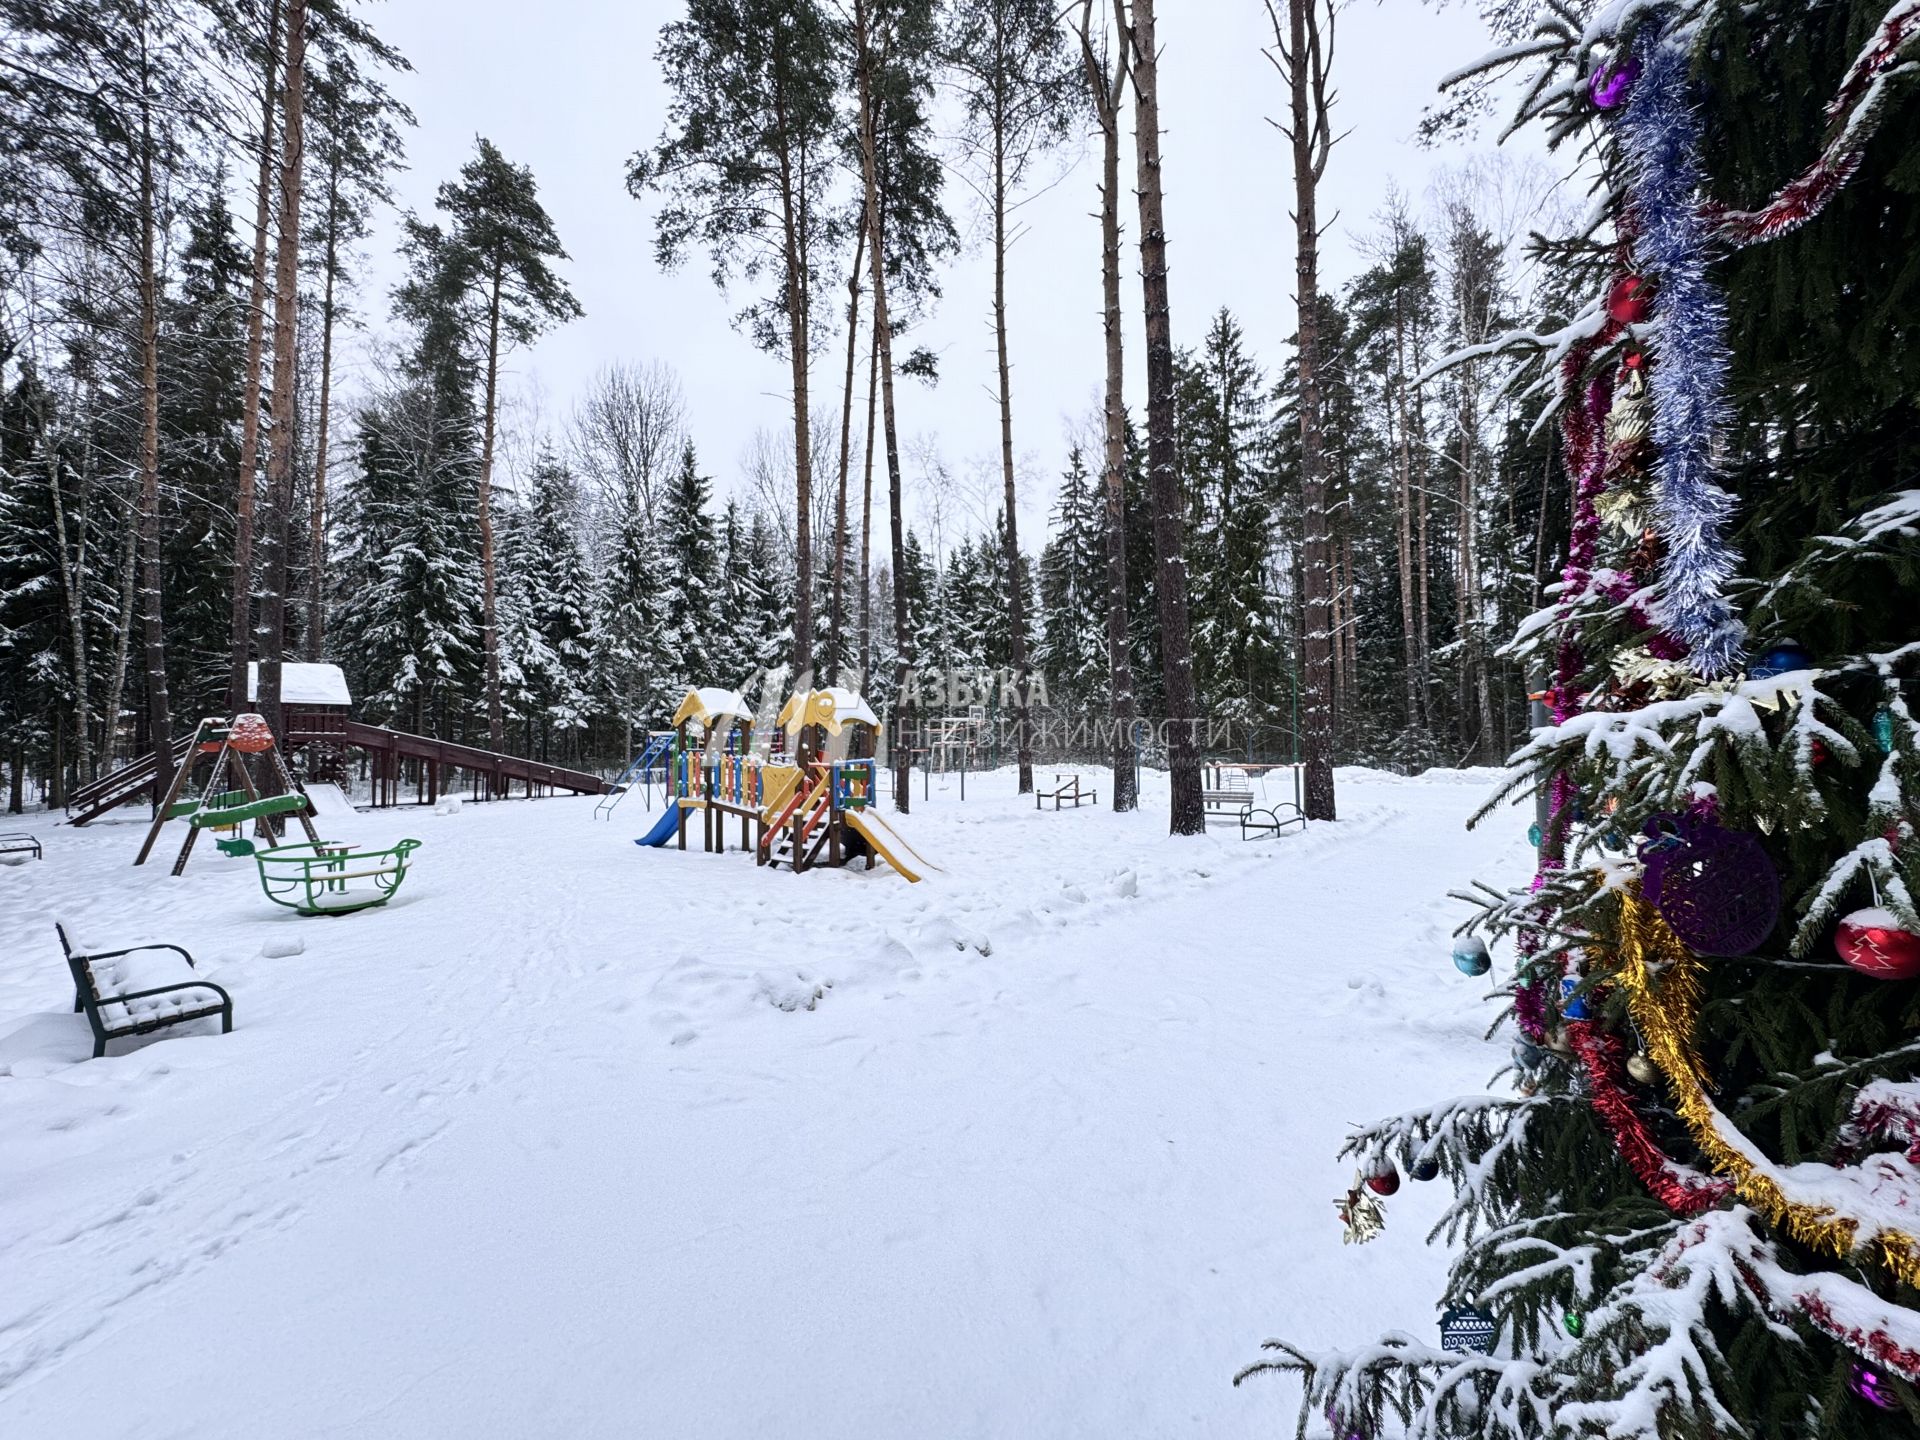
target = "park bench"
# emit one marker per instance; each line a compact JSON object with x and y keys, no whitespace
{"x":1233,"y":802}
{"x":20,"y":845}
{"x":139,"y":989}
{"x":1066,"y":791}
{"x":1276,"y":821}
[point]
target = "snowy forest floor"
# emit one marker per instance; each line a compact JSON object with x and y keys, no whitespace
{"x":554,"y":1146}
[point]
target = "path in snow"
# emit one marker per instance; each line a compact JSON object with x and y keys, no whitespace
{"x":579,"y":1139}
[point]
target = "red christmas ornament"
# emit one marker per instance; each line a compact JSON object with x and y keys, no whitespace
{"x":1630,"y":301}
{"x":1384,"y":1181}
{"x":1872,"y":942}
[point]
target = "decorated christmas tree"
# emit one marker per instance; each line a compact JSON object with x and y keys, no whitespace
{"x":1698,"y":1213}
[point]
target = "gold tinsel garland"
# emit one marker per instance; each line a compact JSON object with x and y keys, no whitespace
{"x":1661,"y":978}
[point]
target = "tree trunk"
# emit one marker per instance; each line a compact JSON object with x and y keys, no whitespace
{"x":73,"y":585}
{"x":798,"y":328}
{"x":489,"y":610}
{"x":250,"y":379}
{"x":1307,"y":132}
{"x":317,"y":536}
{"x":286,"y":310}
{"x":1397,"y":418}
{"x":1107,"y":94}
{"x":1016,"y":590}
{"x":836,"y":646}
{"x":902,"y":753}
{"x":153,"y":620}
{"x":866,"y":514}
{"x":122,"y":645}
{"x":1188,"y":815}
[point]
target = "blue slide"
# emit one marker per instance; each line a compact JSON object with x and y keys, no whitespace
{"x":665,"y":827}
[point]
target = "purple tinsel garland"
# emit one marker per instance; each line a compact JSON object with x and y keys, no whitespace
{"x":1660,"y":132}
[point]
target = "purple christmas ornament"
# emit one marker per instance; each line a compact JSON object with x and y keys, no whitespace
{"x":1714,"y":886}
{"x":1610,"y":84}
{"x":1871,"y":1386}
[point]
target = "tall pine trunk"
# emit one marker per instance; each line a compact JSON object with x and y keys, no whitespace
{"x":1306,"y":129}
{"x":317,"y":523}
{"x":152,"y":616}
{"x":1399,"y":420}
{"x":1107,"y":93}
{"x":286,"y":311}
{"x":902,"y":754}
{"x":866,"y":513}
{"x":243,"y":493}
{"x":72,"y":555}
{"x":489,"y":609}
{"x":836,"y":639}
{"x":1188,"y":814}
{"x":799,"y":326}
{"x":1016,"y":589}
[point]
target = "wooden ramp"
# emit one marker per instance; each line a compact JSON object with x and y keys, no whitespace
{"x":389,"y":748}
{"x":119,"y":787}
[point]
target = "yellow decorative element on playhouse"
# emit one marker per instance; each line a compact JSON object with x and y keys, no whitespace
{"x":833,"y":708}
{"x":708,"y":703}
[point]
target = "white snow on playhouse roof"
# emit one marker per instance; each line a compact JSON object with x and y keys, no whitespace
{"x":303,"y":684}
{"x":834,"y":707}
{"x":705,"y":704}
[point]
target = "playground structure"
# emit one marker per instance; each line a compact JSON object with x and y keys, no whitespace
{"x":806,"y":803}
{"x":217,"y":806}
{"x":649,"y":768}
{"x":955,"y":742}
{"x":319,"y":728}
{"x":1227,"y":791}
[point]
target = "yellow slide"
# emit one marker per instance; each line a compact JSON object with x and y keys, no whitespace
{"x":886,"y":841}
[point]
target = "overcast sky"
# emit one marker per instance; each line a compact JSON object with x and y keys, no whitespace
{"x":570,"y":88}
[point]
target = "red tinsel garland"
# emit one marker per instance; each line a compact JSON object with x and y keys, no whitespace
{"x":1809,"y":192}
{"x":1684,"y":1191}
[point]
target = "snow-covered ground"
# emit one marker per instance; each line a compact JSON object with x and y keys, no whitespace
{"x":581,"y":1139}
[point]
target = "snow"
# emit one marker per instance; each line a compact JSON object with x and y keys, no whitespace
{"x":329,"y":801}
{"x":578,"y":1138}
{"x":304,"y":684}
{"x":705,"y":704}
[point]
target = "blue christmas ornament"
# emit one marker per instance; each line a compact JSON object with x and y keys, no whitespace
{"x":1425,"y":1169}
{"x":1470,"y":955}
{"x":1572,"y":1004}
{"x":1529,"y":1056}
{"x":1883,"y":730}
{"x":1533,"y":835}
{"x":1779,"y":658}
{"x":1467,"y":1327}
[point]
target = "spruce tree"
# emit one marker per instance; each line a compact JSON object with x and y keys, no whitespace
{"x":1693,"y":1219}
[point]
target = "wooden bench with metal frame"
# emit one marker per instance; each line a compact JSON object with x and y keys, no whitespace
{"x":21,"y":844}
{"x":1228,"y":804}
{"x":88,"y":995}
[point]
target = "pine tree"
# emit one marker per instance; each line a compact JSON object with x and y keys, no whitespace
{"x":743,"y":166}
{"x":490,"y":272}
